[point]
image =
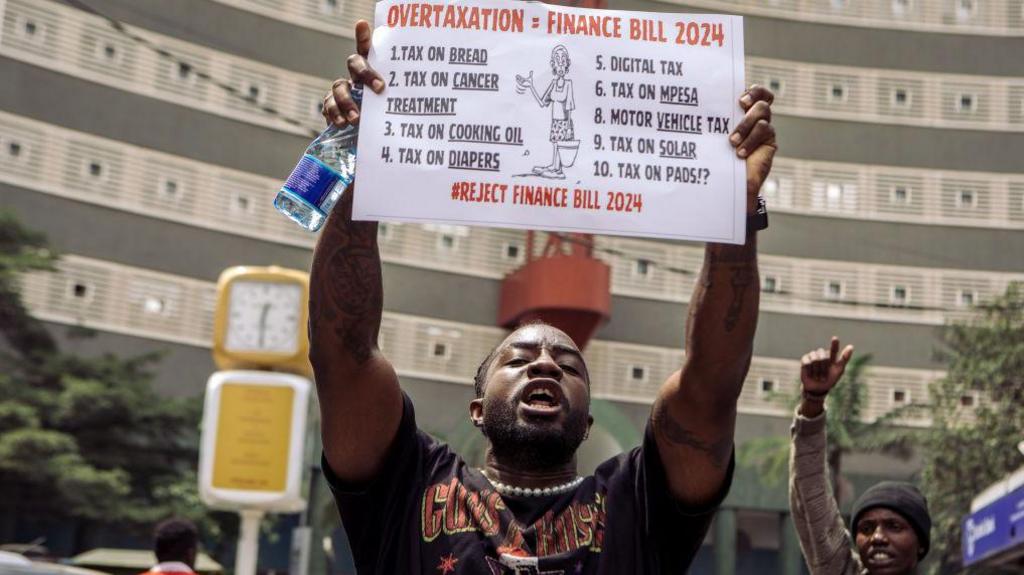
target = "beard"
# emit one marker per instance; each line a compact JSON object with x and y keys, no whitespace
{"x":530,"y":445}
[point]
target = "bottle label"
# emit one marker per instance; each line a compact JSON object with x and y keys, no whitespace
{"x":311,"y":180}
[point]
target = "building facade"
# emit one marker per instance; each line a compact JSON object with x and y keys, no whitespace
{"x":149,"y":155}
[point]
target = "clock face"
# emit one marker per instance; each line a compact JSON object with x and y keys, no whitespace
{"x":263,"y":316}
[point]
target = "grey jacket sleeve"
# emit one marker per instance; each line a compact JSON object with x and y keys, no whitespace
{"x":826,"y":544}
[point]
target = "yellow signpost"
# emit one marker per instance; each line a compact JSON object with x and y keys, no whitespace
{"x":253,"y":429}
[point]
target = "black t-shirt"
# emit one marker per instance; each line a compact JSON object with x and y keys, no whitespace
{"x":429,"y":512}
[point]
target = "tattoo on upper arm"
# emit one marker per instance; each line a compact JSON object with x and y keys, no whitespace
{"x":347,"y":298}
{"x":663,"y":422}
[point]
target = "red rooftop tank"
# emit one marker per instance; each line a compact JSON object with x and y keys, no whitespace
{"x":564,"y":286}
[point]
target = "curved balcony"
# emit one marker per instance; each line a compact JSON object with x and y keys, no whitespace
{"x":139,"y":302}
{"x":54,"y":161}
{"x":77,"y":44}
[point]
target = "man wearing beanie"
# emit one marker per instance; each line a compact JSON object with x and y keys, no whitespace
{"x":891,"y":524}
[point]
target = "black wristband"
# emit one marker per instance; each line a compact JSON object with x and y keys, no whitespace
{"x":818,"y":397}
{"x":758,"y":220}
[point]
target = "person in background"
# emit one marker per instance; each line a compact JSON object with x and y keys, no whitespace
{"x":176,"y":544}
{"x":890,"y":521}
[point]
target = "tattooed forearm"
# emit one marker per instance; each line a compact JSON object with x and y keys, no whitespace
{"x":742,"y":277}
{"x":346,"y":295}
{"x":667,"y":426}
{"x":740,"y":262}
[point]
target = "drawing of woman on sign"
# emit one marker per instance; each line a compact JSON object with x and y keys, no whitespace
{"x":559,"y":96}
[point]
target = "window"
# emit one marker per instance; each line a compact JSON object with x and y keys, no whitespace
{"x":900,"y":397}
{"x":386,"y":230}
{"x":94,"y":170}
{"x":253,"y":93}
{"x":28,"y":29}
{"x":834,"y":290}
{"x":766,"y":386}
{"x":80,"y":291}
{"x":154,"y":305}
{"x":446,"y":242}
{"x":186,"y":73}
{"x":965,"y":199}
{"x":642,"y":268}
{"x":838,"y":4}
{"x":637,"y":373}
{"x":900,"y":98}
{"x":770,"y":284}
{"x":835,"y":196}
{"x":447,"y":235}
{"x":241,"y":204}
{"x":107,"y":52}
{"x":837,"y":93}
{"x":966,"y":298}
{"x":965,"y":103}
{"x":15,"y":151}
{"x":899,"y":295}
{"x":900,"y":7}
{"x":440,"y":349}
{"x":899,"y":195}
{"x":330,"y":6}
{"x":965,"y":10}
{"x":513,"y":252}
{"x":169,"y":189}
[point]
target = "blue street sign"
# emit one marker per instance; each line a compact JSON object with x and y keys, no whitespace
{"x":995,"y":528}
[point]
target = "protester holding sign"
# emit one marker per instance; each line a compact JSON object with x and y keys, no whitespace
{"x":411,"y":505}
{"x":890,"y":520}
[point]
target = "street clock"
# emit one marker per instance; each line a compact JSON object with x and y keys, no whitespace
{"x":260,"y":319}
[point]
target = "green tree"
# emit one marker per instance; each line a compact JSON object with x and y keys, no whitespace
{"x":969,"y":448}
{"x":84,"y":438}
{"x":846,"y":430}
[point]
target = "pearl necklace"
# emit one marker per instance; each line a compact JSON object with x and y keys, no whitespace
{"x":505,"y":489}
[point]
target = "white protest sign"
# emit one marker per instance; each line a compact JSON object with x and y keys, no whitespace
{"x":522,"y":114}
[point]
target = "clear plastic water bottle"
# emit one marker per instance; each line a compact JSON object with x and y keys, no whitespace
{"x":323,"y":173}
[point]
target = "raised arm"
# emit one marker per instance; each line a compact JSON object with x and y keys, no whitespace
{"x":694,"y":416}
{"x":360,"y":400}
{"x":826,"y":544}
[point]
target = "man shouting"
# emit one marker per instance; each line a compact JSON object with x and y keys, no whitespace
{"x":411,"y":505}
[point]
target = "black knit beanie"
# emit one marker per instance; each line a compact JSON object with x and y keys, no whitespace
{"x":903,"y":498}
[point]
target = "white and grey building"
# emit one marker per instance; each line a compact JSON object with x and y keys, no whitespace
{"x":897,"y":202}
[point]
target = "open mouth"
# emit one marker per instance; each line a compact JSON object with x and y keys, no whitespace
{"x":880,"y":557}
{"x":542,"y":397}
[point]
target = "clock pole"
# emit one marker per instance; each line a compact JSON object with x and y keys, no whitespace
{"x":254,"y":418}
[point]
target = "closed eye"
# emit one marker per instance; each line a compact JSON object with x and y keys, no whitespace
{"x":570,"y":369}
